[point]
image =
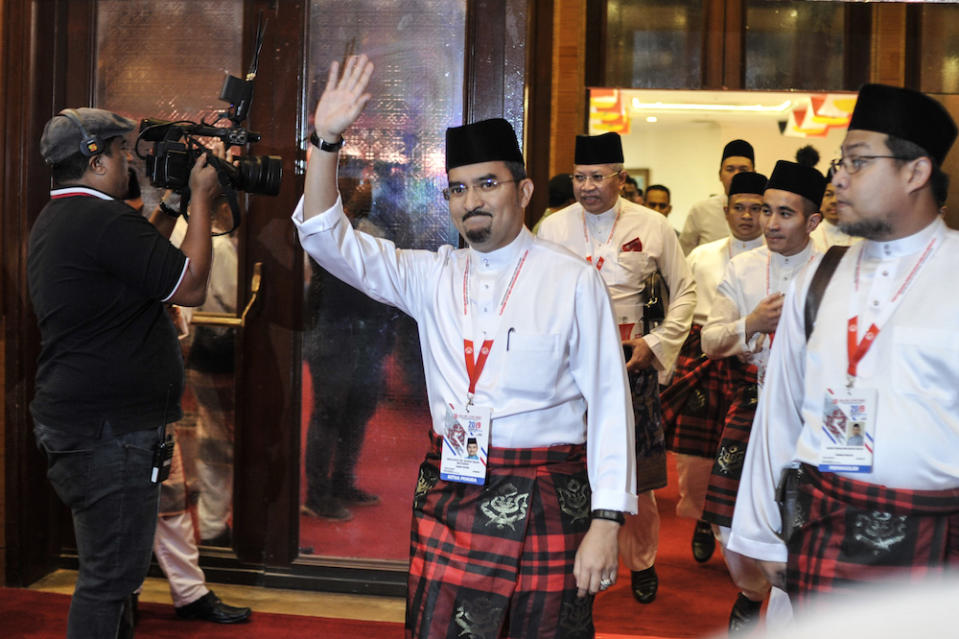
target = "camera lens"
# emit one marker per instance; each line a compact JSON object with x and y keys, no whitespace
{"x":260,"y":174}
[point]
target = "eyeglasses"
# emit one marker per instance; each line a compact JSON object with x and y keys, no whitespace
{"x":658,"y":206}
{"x":595,"y":178}
{"x":754,"y":209}
{"x":458,"y":190}
{"x":855,"y":164}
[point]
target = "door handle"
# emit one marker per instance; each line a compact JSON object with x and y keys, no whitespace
{"x":202,"y":318}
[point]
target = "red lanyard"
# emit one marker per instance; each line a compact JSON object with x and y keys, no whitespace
{"x":856,"y":350}
{"x":474,"y":367}
{"x":589,"y":244}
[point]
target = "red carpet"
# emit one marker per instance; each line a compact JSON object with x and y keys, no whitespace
{"x":28,"y":614}
{"x":694,"y":600}
{"x":396,"y":441}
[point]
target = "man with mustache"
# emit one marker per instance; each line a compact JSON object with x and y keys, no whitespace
{"x":520,"y":351}
{"x":880,"y":352}
{"x":628,"y":243}
{"x":742,"y":326}
{"x":693,"y":405}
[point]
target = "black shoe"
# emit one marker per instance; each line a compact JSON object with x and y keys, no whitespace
{"x":645,"y":584}
{"x":225,"y":539}
{"x":745,"y":614}
{"x":210,"y":608}
{"x":703,"y":542}
{"x":327,"y":508}
{"x":358,"y":497}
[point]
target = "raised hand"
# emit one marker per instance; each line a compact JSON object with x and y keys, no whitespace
{"x":343,"y":98}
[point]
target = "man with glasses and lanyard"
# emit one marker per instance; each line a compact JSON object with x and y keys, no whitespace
{"x":521,"y":352}
{"x":627,"y":243}
{"x":880,"y":352}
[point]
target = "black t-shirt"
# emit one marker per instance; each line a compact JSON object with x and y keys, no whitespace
{"x":97,"y":273}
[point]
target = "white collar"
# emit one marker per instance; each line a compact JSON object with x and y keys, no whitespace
{"x":604,"y":218}
{"x":788,"y":261}
{"x":502,"y":257}
{"x":903,"y":246}
{"x":70,"y":191}
{"x":743,"y":246}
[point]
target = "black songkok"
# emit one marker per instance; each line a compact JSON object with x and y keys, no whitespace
{"x":484,"y":141}
{"x":598,"y":149}
{"x":739,"y":148}
{"x":905,"y":114}
{"x":746,"y":182}
{"x":796,"y":178}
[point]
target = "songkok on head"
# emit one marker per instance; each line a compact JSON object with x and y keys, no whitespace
{"x":905,"y":114}
{"x":598,"y":149}
{"x":62,"y":137}
{"x":484,"y":141}
{"x":740,"y":149}
{"x":746,"y":182}
{"x":796,"y":178}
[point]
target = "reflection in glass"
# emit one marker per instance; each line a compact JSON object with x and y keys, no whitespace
{"x":142,"y":72}
{"x":654,"y":43}
{"x":939,"y":50}
{"x":365,"y":419}
{"x":794,"y":45}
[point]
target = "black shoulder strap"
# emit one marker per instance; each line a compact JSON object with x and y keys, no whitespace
{"x":820,"y":280}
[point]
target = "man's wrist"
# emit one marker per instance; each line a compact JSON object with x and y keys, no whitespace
{"x":168,"y":210}
{"x":606,"y":514}
{"x":170,"y":204}
{"x":329,"y":144}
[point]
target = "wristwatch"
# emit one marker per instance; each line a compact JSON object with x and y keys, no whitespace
{"x":323,"y":145}
{"x":169,"y":210}
{"x":612,"y":515}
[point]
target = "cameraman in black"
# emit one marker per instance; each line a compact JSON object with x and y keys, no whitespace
{"x":110,"y":371}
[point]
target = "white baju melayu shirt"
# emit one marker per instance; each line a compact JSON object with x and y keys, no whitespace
{"x":708,"y":265}
{"x":650,"y":244}
{"x":706,"y":222}
{"x":749,"y":279}
{"x":828,"y":234}
{"x":555,"y":372}
{"x":913,"y":365}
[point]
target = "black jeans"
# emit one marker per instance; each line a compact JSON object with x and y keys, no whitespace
{"x":105,"y":481}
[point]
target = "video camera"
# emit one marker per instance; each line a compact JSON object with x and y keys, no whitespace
{"x":175,"y":149}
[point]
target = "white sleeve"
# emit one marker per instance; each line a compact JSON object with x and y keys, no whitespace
{"x":772,"y":442}
{"x":689,"y":237}
{"x":667,"y":339}
{"x":370,"y":264}
{"x":596,"y":363}
{"x":724,"y":333}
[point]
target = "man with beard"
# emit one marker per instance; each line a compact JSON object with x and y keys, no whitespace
{"x":881,"y":352}
{"x":520,"y":351}
{"x":628,"y":243}
{"x":110,"y":372}
{"x":741,"y":327}
{"x":693,"y":405}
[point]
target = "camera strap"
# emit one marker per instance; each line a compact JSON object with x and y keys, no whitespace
{"x":228,"y":191}
{"x":231,"y":199}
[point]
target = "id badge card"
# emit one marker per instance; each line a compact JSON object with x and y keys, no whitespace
{"x":848,"y":429}
{"x":629,"y":317}
{"x":466,"y":444}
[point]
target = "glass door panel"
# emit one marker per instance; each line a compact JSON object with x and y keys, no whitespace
{"x":365,"y":420}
